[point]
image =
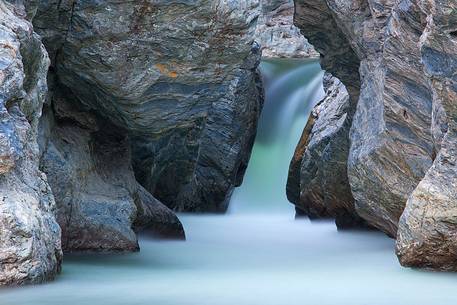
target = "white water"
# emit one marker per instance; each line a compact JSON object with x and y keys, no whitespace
{"x":257,"y":254}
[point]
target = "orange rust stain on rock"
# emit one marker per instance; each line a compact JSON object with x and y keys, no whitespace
{"x":164,"y":70}
{"x":161,"y":68}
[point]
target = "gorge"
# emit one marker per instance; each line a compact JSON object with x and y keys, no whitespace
{"x":155,"y":118}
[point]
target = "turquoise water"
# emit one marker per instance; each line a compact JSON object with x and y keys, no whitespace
{"x":292,"y":88}
{"x":257,"y":254}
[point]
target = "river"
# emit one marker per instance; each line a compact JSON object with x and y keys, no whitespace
{"x":257,"y":253}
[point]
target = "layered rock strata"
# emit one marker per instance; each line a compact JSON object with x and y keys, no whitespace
{"x":372,"y":48}
{"x":404,"y":120}
{"x":318,"y":183}
{"x":427,"y":234}
{"x":30,"y":247}
{"x":169,"y":90}
{"x":179,"y":77}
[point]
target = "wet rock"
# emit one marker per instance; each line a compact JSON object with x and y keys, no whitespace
{"x":278,"y":35}
{"x":372,"y":48}
{"x":427,"y":235}
{"x":30,"y":249}
{"x":318,"y":183}
{"x":178,"y":76}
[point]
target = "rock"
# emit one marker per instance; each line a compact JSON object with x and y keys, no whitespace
{"x":318,"y":183}
{"x":427,"y":235}
{"x":391,"y":142}
{"x":278,"y":35}
{"x":89,"y":167}
{"x":30,"y":249}
{"x":187,"y":93}
{"x":316,"y":22}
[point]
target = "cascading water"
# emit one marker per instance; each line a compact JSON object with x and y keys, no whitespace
{"x":292,"y":89}
{"x":257,"y":254}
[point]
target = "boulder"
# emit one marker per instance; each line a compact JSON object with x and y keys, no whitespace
{"x":30,"y":246}
{"x":179,"y":77}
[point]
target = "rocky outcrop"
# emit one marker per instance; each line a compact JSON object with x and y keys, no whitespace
{"x":391,"y":143}
{"x":405,"y":117}
{"x":178,"y":77}
{"x":162,"y":92}
{"x":318,"y":183}
{"x":427,"y":234}
{"x":30,"y":248}
{"x":278,"y":35}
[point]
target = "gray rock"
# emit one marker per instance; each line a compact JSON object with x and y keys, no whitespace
{"x":318,"y":183}
{"x":391,"y":142}
{"x":427,"y":230}
{"x":179,"y":77}
{"x":30,"y":249}
{"x":88,"y":164}
{"x":278,"y":35}
{"x":317,"y":23}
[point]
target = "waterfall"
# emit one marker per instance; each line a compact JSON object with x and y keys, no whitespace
{"x":292,"y":88}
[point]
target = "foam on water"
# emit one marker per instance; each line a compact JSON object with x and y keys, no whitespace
{"x":257,"y":254}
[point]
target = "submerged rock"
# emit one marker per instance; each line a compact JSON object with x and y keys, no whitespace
{"x":391,"y":142}
{"x":278,"y":35}
{"x":427,"y":235}
{"x":179,"y":77}
{"x":30,"y":248}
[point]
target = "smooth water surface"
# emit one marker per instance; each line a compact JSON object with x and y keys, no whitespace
{"x":257,"y":254}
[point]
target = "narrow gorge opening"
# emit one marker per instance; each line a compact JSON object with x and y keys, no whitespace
{"x":142,"y":131}
{"x":292,"y":88}
{"x":257,"y":253}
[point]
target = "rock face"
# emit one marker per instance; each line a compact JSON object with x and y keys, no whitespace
{"x":427,"y":234}
{"x":405,"y":117}
{"x":180,"y":79}
{"x":278,"y":35}
{"x":391,"y":142}
{"x":30,"y":248}
{"x":163,"y":92}
{"x":318,"y":182}
{"x":88,"y":164}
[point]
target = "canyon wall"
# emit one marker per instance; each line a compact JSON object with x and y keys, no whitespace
{"x":30,"y":246}
{"x":151,"y":107}
{"x":147,"y":107}
{"x":427,"y":231}
{"x":395,"y":59}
